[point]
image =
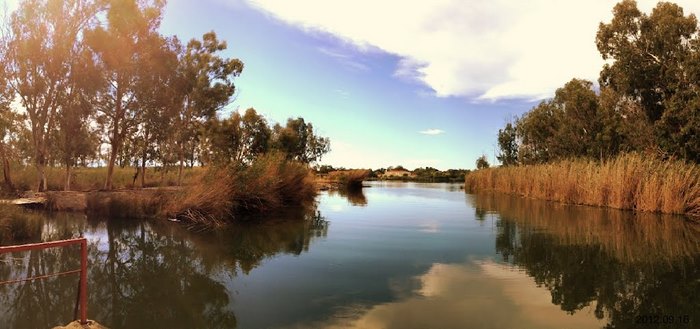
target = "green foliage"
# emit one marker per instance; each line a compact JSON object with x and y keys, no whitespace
{"x":299,"y":141}
{"x":238,"y":139}
{"x":508,"y":145}
{"x":91,"y":72}
{"x":648,"y":100}
{"x":482,"y":163}
{"x":433,"y":175}
{"x":656,"y":63}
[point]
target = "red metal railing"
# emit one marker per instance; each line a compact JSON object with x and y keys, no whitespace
{"x":82,"y":289}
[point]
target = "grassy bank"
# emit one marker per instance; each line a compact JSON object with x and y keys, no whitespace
{"x":630,"y":181}
{"x":84,"y":178}
{"x":221,"y":194}
{"x":17,"y":224}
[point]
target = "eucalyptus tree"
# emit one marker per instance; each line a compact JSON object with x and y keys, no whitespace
{"x":158,"y":105}
{"x":298,"y":140}
{"x":654,"y":61}
{"x":206,"y":86}
{"x":120,"y":48}
{"x":508,"y":145}
{"x":239,"y":139}
{"x":9,"y":120}
{"x":42,"y":49}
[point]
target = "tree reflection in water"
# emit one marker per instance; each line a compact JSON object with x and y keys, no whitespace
{"x":146,"y":274}
{"x":355,"y":196}
{"x":628,"y":264}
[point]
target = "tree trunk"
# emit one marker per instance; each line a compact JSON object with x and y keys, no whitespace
{"x":66,"y":187}
{"x":7,"y":178}
{"x":41,"y":177}
{"x":143,"y":159}
{"x":179,"y":170}
{"x":110,"y":166}
{"x":143,"y":170}
{"x":115,"y":140}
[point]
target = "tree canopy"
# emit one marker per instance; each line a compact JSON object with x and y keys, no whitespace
{"x":96,"y":76}
{"x":648,"y":98}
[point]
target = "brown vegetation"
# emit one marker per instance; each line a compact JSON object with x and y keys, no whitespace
{"x":630,"y":181}
{"x":626,"y":236}
{"x":17,"y":224}
{"x":268,"y":183}
{"x":349,"y":179}
{"x":88,"y":179}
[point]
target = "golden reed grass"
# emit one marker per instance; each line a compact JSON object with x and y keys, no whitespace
{"x":349,"y":179}
{"x":271,"y":182}
{"x":626,"y":236}
{"x":630,"y":181}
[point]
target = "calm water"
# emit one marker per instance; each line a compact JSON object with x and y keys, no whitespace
{"x":399,"y":255}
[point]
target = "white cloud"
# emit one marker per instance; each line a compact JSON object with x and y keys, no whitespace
{"x":485,"y":49}
{"x":432,"y":132}
{"x":344,"y":59}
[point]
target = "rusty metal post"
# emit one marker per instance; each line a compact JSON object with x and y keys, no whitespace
{"x":82,"y":289}
{"x":83,"y":282}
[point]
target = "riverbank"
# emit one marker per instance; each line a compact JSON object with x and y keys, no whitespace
{"x":630,"y":181}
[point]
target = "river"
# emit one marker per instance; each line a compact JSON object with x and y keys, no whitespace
{"x":396,"y":255}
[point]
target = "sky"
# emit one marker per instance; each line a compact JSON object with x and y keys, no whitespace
{"x":393,"y":82}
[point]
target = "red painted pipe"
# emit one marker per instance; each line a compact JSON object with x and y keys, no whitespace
{"x":83,"y":281}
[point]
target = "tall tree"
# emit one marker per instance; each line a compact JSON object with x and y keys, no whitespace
{"x":239,"y":139}
{"x":299,"y":141}
{"x":206,"y":87}
{"x":121,"y":48}
{"x":42,"y":48}
{"x":508,"y":145}
{"x":482,"y":162}
{"x":8,"y":120}
{"x":158,"y":105}
{"x":654,"y":62}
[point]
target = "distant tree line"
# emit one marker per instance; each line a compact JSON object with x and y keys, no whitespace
{"x":91,"y":73}
{"x":423,"y":174}
{"x":648,"y":100}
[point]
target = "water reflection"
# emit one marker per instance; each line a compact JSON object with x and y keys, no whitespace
{"x":354,"y":196}
{"x":623,"y":264}
{"x":481,"y":294}
{"x":146,"y":274}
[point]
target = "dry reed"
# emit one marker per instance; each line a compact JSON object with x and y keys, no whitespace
{"x":270,"y":182}
{"x":349,"y":179}
{"x":630,"y":181}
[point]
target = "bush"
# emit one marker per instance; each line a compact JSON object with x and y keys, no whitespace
{"x":349,"y":179}
{"x":270,"y":182}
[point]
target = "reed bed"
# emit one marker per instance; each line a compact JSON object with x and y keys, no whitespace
{"x":630,"y":181}
{"x":271,"y":182}
{"x":349,"y":179}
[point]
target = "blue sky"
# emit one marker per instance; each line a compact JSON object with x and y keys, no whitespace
{"x":390,"y":82}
